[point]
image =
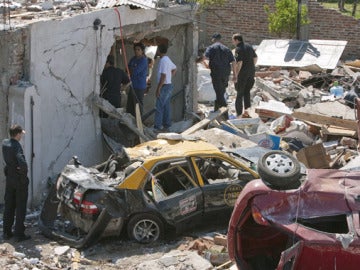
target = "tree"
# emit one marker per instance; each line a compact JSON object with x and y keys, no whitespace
{"x":284,"y":19}
{"x":354,"y":8}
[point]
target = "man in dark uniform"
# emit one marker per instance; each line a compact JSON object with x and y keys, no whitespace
{"x":245,"y":71}
{"x":111,"y":80}
{"x":16,"y":190}
{"x":221,"y":60}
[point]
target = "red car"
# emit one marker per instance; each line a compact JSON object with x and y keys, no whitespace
{"x":311,"y":223}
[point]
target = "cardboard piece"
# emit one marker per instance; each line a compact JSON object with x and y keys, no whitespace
{"x":314,"y":157}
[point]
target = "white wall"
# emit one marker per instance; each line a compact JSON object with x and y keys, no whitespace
{"x":66,"y":59}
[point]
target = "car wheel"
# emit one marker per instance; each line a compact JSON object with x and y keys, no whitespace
{"x":279,"y":169}
{"x":145,"y":228}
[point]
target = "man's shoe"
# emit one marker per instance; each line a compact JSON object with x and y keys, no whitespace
{"x":245,"y":115}
{"x":22,"y":237}
{"x":7,"y":236}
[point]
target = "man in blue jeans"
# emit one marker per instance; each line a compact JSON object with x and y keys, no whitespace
{"x":166,"y":70}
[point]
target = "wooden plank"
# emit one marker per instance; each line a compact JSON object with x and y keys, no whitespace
{"x":139,"y":123}
{"x":203,"y":123}
{"x":125,"y":118}
{"x":338,"y":131}
{"x":325,"y":120}
{"x":266,"y":113}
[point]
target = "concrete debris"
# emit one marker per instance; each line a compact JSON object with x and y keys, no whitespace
{"x":61,"y":250}
{"x":177,"y":260}
{"x":292,"y":110}
{"x":206,"y":93}
{"x":214,"y":249}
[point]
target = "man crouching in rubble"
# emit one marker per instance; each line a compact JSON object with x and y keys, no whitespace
{"x":16,"y":190}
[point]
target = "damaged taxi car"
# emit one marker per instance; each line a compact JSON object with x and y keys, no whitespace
{"x":313,"y":223}
{"x":144,"y":191}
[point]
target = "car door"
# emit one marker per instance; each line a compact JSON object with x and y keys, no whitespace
{"x":177,"y":195}
{"x":221,"y":183}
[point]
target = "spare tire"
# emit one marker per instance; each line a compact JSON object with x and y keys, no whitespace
{"x":279,"y":169}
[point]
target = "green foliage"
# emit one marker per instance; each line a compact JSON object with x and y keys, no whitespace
{"x":284,"y":18}
{"x":207,"y":3}
{"x":348,"y":6}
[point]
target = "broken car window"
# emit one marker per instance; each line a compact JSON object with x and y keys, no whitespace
{"x":169,"y":179}
{"x":215,"y":170}
{"x":330,"y":224}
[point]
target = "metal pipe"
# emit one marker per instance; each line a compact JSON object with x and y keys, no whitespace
{"x":32,"y":152}
{"x":298,"y":21}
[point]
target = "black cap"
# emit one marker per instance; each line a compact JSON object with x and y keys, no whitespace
{"x":216,"y":36}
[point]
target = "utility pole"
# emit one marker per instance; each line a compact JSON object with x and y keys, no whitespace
{"x":298,"y":20}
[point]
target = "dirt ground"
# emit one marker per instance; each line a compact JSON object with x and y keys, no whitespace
{"x":116,"y":253}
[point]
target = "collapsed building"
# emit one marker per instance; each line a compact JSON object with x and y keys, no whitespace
{"x":51,"y":62}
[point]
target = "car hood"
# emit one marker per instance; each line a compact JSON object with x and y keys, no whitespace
{"x":88,"y":178}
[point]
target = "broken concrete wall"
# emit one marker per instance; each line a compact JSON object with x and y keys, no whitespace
{"x":67,"y":57}
{"x":14,"y":58}
{"x":250,"y":19}
{"x":182,"y":51}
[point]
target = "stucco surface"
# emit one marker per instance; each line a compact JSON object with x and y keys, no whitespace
{"x":67,"y":57}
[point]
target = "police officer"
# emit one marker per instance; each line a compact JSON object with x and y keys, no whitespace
{"x":221,"y":61}
{"x":16,"y":190}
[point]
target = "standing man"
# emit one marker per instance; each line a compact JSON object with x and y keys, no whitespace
{"x":16,"y":190}
{"x":221,"y":60}
{"x":246,"y":59}
{"x":138,"y":67}
{"x":111,"y":80}
{"x":166,"y":70}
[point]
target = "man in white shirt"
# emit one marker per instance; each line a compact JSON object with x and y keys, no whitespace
{"x":166,"y":69}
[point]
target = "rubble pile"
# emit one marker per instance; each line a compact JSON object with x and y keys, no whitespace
{"x":297,"y":111}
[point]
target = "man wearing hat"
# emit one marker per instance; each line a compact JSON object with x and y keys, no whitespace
{"x":16,"y":190}
{"x":221,"y":60}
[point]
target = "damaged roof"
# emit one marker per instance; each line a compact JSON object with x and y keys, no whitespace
{"x":300,"y":53}
{"x":145,"y":4}
{"x":20,"y":13}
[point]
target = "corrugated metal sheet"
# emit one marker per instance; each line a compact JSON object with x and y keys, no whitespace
{"x":146,"y":4}
{"x":299,"y":53}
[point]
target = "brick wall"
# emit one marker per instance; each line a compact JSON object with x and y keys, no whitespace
{"x":14,"y":56}
{"x":249,"y":18}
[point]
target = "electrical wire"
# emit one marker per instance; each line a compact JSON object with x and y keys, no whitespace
{"x":122,"y":42}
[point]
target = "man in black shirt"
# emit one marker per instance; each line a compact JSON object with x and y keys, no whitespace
{"x":245,"y":71}
{"x":111,"y":80}
{"x":16,"y":190}
{"x":221,"y":60}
